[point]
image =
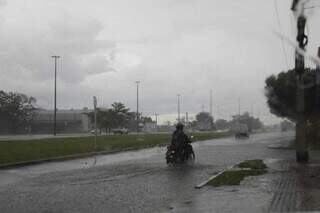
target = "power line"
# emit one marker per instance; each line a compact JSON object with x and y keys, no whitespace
{"x":282,"y":41}
{"x":179,"y":107}
{"x":293,"y":32}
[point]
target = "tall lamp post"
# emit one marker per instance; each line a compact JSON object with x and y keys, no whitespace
{"x":137,"y":82}
{"x":211,"y":103}
{"x":156,"y":120}
{"x":55,"y":94}
{"x":179,"y":107}
{"x":95,"y":121}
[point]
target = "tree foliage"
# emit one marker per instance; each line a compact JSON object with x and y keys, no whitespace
{"x":204,"y":117}
{"x":222,"y":124}
{"x":251,"y":122}
{"x":204,"y":121}
{"x":16,"y":109}
{"x":118,"y":116}
{"x":281,"y":93}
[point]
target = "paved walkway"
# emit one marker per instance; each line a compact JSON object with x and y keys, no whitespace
{"x":287,"y":187}
{"x":298,"y":187}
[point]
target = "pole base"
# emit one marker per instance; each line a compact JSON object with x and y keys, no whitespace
{"x":302,"y":156}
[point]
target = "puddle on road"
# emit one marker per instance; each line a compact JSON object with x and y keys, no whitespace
{"x":11,"y":176}
{"x":98,"y":160}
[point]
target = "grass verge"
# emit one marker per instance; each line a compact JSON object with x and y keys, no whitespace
{"x":252,"y":164}
{"x":30,"y":150}
{"x":235,"y":175}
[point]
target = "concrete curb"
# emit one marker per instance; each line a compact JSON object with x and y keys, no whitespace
{"x":202,"y":184}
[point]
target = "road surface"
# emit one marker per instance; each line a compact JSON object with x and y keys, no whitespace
{"x":140,"y":181}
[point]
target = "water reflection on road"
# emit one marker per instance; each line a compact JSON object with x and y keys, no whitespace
{"x":137,"y":181}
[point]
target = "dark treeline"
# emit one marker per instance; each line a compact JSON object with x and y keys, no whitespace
{"x":117,"y":116}
{"x":19,"y":113}
{"x":251,"y":122}
{"x":16,"y":112}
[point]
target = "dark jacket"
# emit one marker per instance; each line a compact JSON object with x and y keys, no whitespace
{"x":179,"y":138}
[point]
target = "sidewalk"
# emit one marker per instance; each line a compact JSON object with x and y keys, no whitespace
{"x":298,"y":188}
{"x":287,"y":187}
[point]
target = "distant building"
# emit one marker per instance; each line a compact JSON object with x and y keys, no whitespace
{"x":67,"y":121}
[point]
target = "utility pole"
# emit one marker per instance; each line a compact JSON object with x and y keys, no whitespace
{"x":156,"y":120}
{"x":95,"y":121}
{"x":202,"y":107}
{"x":137,"y":82}
{"x":239,"y":110}
{"x":318,"y":83}
{"x":179,"y":107}
{"x":187,"y":119}
{"x":251,"y":110}
{"x":302,"y":154}
{"x":55,"y":95}
{"x":318,"y":90}
{"x":211,"y":103}
{"x":216,"y":113}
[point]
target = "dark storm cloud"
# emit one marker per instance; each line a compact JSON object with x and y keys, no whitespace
{"x":171,"y":46}
{"x":75,"y":40}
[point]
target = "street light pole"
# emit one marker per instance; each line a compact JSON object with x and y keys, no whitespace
{"x":187,"y":119}
{"x":318,"y":83}
{"x":239,"y":110}
{"x":95,"y":122}
{"x":156,"y":120}
{"x":211,"y":103}
{"x":239,"y":107}
{"x":179,"y":107}
{"x":55,"y":94}
{"x":137,"y":82}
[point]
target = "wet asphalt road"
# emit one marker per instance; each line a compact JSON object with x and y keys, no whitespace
{"x":138,"y":181}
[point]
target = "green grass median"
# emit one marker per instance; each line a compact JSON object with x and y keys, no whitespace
{"x":242,"y":170}
{"x":30,"y":150}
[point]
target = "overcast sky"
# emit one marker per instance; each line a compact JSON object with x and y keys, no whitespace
{"x":171,"y":46}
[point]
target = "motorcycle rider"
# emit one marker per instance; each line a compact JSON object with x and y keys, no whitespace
{"x":180,"y":140}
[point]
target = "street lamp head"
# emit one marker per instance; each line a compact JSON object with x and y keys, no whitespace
{"x":55,"y":56}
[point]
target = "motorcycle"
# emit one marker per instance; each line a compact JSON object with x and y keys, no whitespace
{"x":185,"y":155}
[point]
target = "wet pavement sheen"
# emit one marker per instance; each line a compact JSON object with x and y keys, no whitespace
{"x":140,"y":181}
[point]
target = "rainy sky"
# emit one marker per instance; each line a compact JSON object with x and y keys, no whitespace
{"x":173,"y":47}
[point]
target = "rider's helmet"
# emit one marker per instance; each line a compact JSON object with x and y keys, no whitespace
{"x":179,"y":126}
